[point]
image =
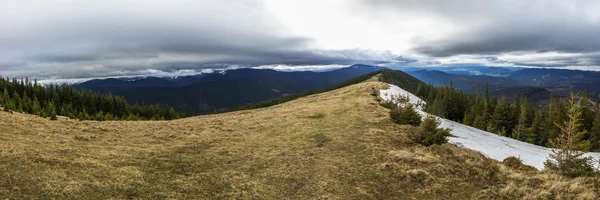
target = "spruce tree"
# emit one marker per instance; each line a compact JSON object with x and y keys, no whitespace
{"x":51,"y":110}
{"x":437,"y":106}
{"x":8,"y":103}
{"x":420,"y":90}
{"x":557,"y":113}
{"x":6,"y":96}
{"x":595,"y":132}
{"x":405,"y":115}
{"x":587,"y":114}
{"x":84,"y":115}
{"x":26,"y":102}
{"x":16,"y":101}
{"x":587,"y":117}
{"x":567,"y":159}
{"x":533,"y":136}
{"x":500,"y":118}
{"x":36,"y":108}
{"x":470,"y":116}
{"x":546,"y":126}
{"x":487,"y":108}
{"x":520,"y":130}
{"x":429,"y":132}
{"x":1,"y":99}
{"x":63,"y":112}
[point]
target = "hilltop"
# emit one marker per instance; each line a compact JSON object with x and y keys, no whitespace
{"x":334,"y":145}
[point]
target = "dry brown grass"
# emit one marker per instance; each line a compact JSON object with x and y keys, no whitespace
{"x":336,"y":145}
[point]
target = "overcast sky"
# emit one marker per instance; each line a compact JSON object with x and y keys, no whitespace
{"x":58,"y":39}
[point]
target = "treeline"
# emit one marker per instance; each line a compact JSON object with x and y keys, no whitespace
{"x":518,"y":119}
{"x":30,"y":97}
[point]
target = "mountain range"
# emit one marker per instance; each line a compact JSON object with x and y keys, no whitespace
{"x":205,"y":93}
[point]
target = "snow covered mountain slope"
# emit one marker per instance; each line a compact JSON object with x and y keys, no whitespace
{"x":490,"y":144}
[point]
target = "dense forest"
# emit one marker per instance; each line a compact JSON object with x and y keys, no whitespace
{"x":520,"y":120}
{"x":30,"y":97}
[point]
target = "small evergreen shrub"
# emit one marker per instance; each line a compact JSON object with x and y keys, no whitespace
{"x":570,"y":163}
{"x":405,"y":115}
{"x":429,"y":132}
{"x":402,"y":99}
{"x":388,"y":105}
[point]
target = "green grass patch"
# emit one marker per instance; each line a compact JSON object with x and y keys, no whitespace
{"x":317,"y":116}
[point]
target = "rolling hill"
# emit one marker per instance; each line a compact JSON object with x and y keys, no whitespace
{"x":334,"y":145}
{"x":467,"y":83}
{"x":561,"y":81}
{"x":205,"y":93}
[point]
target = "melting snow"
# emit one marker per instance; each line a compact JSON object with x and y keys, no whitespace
{"x":489,"y":144}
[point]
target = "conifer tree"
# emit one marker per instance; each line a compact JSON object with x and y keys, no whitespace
{"x":429,"y":132}
{"x":567,"y":159}
{"x":487,"y":107}
{"x":420,"y":90}
{"x":478,"y":122}
{"x":436,"y":107}
{"x":7,"y":100}
{"x":533,"y":136}
{"x":587,"y":115}
{"x":470,"y":116}
{"x":1,"y":98}
{"x":36,"y":108}
{"x":63,"y":112}
{"x":546,"y":127}
{"x":51,"y":110}
{"x":16,"y":101}
{"x":26,"y":103}
{"x":501,"y":116}
{"x":595,"y":132}
{"x":556,"y":114}
{"x":400,"y":114}
{"x":520,"y":130}
{"x":84,"y":115}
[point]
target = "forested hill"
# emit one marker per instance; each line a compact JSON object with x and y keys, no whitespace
{"x":521,"y":120}
{"x":30,"y":97}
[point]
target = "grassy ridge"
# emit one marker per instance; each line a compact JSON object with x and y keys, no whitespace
{"x":286,"y":98}
{"x":400,"y":79}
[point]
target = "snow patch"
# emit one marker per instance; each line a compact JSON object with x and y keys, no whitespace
{"x":489,"y":144}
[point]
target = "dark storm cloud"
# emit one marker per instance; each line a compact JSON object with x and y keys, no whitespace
{"x":582,"y":59}
{"x":545,"y":39}
{"x":75,"y":39}
{"x":505,"y":26}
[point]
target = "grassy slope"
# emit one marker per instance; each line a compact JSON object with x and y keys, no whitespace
{"x":337,"y":145}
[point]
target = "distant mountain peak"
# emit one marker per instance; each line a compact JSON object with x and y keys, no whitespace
{"x":364,"y":66}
